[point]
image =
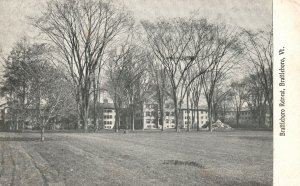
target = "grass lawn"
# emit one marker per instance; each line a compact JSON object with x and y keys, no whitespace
{"x":140,"y":158}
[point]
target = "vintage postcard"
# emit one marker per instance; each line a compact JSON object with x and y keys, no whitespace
{"x":149,"y":92}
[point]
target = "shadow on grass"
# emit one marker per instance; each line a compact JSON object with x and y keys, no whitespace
{"x":22,"y":139}
{"x":187,"y":163}
{"x":259,"y":138}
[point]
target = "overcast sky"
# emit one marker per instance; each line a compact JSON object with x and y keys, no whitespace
{"x":251,"y":14}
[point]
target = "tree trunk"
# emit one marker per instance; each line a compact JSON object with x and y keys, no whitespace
{"x":85,"y":104}
{"x":23,"y":125}
{"x":161,"y":107}
{"x":17,"y":123}
{"x":188,"y":112}
{"x":117,"y":120}
{"x":237,"y":118}
{"x":85,"y":120}
{"x":198,"y":119}
{"x":176,"y":111}
{"x":210,"y":114}
{"x":42,"y":133}
{"x":132,"y":117}
{"x":271,"y":114}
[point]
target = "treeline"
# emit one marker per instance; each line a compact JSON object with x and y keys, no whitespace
{"x":94,"y":46}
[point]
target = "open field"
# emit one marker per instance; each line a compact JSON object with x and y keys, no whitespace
{"x":141,"y":158}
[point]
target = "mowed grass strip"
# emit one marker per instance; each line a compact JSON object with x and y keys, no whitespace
{"x":196,"y":158}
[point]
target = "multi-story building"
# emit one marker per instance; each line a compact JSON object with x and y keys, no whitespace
{"x":247,"y":118}
{"x":190,"y":117}
{"x":148,"y":116}
{"x":108,"y":115}
{"x":169,"y":115}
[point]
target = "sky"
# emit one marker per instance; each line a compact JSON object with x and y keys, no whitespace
{"x":250,"y":14}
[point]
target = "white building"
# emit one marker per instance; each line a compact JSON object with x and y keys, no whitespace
{"x":191,"y":117}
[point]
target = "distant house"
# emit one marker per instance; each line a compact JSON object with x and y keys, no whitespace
{"x":148,"y":116}
{"x":189,"y":117}
{"x":248,"y":118}
{"x":109,"y":115}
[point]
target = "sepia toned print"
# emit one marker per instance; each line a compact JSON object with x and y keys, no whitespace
{"x":136,"y":92}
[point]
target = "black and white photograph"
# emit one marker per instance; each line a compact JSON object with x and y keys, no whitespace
{"x":140,"y":92}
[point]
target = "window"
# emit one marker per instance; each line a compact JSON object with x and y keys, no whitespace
{"x":153,"y":121}
{"x":147,"y":106}
{"x":172,"y":126}
{"x":107,"y":116}
{"x":202,"y":122}
{"x":206,"y":117}
{"x":201,"y":111}
{"x":172,"y":113}
{"x":148,"y":113}
{"x":148,"y":121}
{"x":167,"y":106}
{"x":173,"y":121}
{"x":167,"y":113}
{"x":152,"y":113}
{"x":167,"y":121}
{"x":201,"y":117}
{"x":107,"y":110}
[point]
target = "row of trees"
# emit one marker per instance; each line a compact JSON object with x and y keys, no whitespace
{"x":96,"y":46}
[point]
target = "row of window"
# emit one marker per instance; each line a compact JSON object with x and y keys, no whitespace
{"x":150,"y":113}
{"x":245,"y":113}
{"x":242,"y":113}
{"x":154,"y":113}
{"x":150,"y":121}
{"x":107,"y":122}
{"x":168,"y":105}
{"x":154,"y":121}
{"x":150,"y":106}
{"x":167,"y":126}
{"x":107,"y":116}
{"x":107,"y":127}
{"x":188,"y":117}
{"x":188,"y":122}
{"x":107,"y":110}
{"x":170,"y":126}
{"x":205,"y":112}
{"x":248,"y":118}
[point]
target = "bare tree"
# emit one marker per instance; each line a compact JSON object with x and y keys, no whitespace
{"x":221,"y":102}
{"x":161,"y":86}
{"x":225,"y":54}
{"x":81,"y":31}
{"x":259,"y":51}
{"x":136,"y":82}
{"x":238,"y":93}
{"x":122,"y":77}
{"x":256,"y":100}
{"x":176,"y":44}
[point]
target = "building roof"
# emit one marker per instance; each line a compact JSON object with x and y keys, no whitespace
{"x":107,"y":105}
